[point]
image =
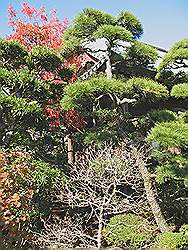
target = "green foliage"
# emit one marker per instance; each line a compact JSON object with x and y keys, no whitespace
{"x":44,"y":58}
{"x":181,"y":44}
{"x":173,"y":56}
{"x":174,"y":59}
{"x":170,"y":134}
{"x":143,"y":88}
{"x":140,"y":54}
{"x":19,"y":104}
{"x":87,"y":22}
{"x":83,"y":27}
{"x":90,"y":88}
{"x":7,"y":77}
{"x":180,"y":90}
{"x":171,"y":240}
{"x":93,"y":24}
{"x":127,"y":20}
{"x":128,"y":230}
{"x":145,"y":122}
{"x":171,"y":138}
{"x":172,"y":167}
{"x":45,"y":176}
{"x":106,"y":133}
{"x":45,"y":179}
{"x":71,"y":43}
{"x":24,"y":81}
{"x":113,"y":33}
{"x":183,"y":116}
{"x":110,"y":129}
{"x":27,"y":92}
{"x":163,"y":115}
{"x":184,"y":229}
{"x":11,"y":50}
{"x":166,"y":173}
{"x":99,"y":16}
{"x":139,"y":88}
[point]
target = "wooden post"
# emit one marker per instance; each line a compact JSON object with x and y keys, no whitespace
{"x":70,"y":147}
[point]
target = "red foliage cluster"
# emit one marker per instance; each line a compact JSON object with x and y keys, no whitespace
{"x":37,"y":28}
{"x":16,"y":191}
{"x":51,"y":76}
{"x":77,"y":61}
{"x":53,"y":116}
{"x":74,"y":120}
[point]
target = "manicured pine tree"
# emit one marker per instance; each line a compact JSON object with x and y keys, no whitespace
{"x":87,"y":96}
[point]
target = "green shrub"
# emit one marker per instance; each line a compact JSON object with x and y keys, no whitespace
{"x":45,"y":57}
{"x":101,"y":135}
{"x":180,"y":90}
{"x":128,"y":230}
{"x":171,"y":240}
{"x":174,"y":167}
{"x":12,"y":50}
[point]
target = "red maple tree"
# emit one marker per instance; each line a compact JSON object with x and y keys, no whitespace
{"x":36,"y":27}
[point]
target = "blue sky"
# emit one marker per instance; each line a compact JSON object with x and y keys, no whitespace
{"x":164,"y":21}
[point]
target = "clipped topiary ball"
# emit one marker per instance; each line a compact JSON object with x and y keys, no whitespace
{"x":171,"y":240}
{"x":129,"y":230}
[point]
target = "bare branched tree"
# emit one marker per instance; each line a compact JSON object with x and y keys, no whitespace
{"x":101,"y":183}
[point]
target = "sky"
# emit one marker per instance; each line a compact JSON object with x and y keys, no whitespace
{"x":165,"y":21}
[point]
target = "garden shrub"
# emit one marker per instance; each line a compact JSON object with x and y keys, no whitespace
{"x":165,"y":173}
{"x":139,"y":88}
{"x":24,"y":186}
{"x":171,"y":240}
{"x":128,"y":230}
{"x":171,"y":139}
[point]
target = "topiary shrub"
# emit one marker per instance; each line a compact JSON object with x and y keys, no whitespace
{"x":171,"y":240}
{"x":128,"y":230}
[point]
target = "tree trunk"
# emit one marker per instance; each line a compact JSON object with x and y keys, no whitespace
{"x":108,"y":65}
{"x":151,"y":197}
{"x":70,"y":149}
